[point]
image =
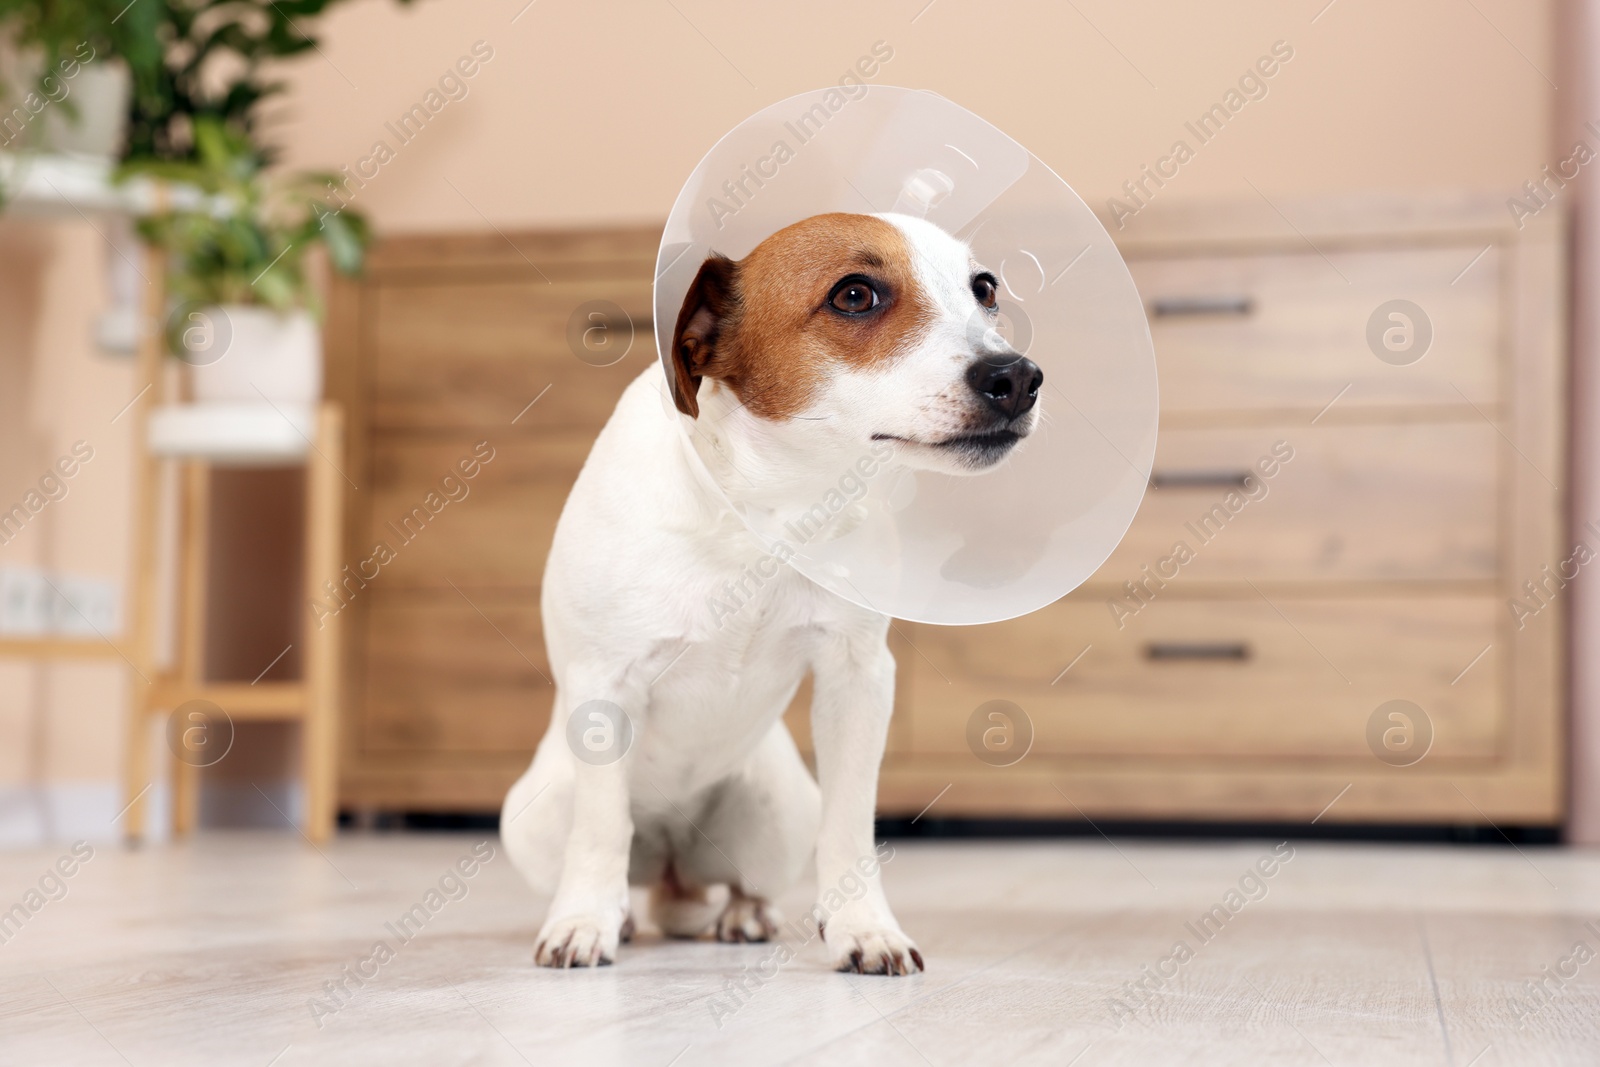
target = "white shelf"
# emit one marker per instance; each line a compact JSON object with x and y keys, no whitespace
{"x":55,"y":185}
{"x":234,"y":434}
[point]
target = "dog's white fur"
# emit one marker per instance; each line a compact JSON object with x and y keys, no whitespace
{"x":713,"y":790}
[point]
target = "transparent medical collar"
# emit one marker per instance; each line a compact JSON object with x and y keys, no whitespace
{"x":933,"y":547}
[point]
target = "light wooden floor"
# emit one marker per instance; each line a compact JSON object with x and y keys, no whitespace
{"x":211,"y":953}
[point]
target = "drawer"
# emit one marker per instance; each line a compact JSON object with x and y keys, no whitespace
{"x":1289,"y":331}
{"x":476,"y":355}
{"x":441,"y":677}
{"x":1230,"y":679}
{"x":498,"y":534}
{"x":1353,"y":503}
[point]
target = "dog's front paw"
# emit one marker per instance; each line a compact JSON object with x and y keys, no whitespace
{"x":577,"y":941}
{"x":877,"y":949}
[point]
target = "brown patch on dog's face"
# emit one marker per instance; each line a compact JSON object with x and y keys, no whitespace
{"x":829,"y":293}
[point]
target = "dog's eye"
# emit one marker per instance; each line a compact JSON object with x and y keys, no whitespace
{"x":854,"y":296}
{"x":983,"y":287}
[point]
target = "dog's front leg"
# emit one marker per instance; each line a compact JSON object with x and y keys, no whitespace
{"x":586,"y":915}
{"x":854,"y":697}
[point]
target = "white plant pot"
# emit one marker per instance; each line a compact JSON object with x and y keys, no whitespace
{"x":100,"y":91}
{"x":244,"y":354}
{"x":85,"y":114}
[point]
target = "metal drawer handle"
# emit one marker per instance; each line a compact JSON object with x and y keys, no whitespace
{"x":1201,"y":305}
{"x":1201,"y":479}
{"x":1190,"y":650}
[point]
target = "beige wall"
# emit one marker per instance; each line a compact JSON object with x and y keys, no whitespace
{"x":597,"y":111}
{"x":1580,"y":104}
{"x":60,"y":724}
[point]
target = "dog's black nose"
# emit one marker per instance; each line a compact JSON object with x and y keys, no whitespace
{"x":1010,"y":387}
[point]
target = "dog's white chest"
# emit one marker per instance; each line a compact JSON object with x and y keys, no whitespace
{"x":728,"y":681}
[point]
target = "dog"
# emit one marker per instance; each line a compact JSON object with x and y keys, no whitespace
{"x":840,"y":337}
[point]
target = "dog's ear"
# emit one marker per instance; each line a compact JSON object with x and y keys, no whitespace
{"x":710,"y":299}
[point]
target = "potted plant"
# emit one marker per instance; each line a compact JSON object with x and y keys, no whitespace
{"x":246,"y":310}
{"x":245,"y":306}
{"x":171,"y":61}
{"x":66,"y":83}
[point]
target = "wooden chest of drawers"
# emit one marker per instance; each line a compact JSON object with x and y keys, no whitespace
{"x":1336,"y":520}
{"x":451,"y":346}
{"x":1333,"y":524}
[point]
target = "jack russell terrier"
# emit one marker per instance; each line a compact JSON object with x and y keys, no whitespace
{"x":839,"y":338}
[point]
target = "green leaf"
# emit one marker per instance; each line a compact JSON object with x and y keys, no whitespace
{"x":345,"y":240}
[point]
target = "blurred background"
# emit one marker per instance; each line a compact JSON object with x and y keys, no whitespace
{"x":311,"y":311}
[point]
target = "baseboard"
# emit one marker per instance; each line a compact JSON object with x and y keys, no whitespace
{"x":62,"y":812}
{"x":1419,"y":833}
{"x":51,"y":813}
